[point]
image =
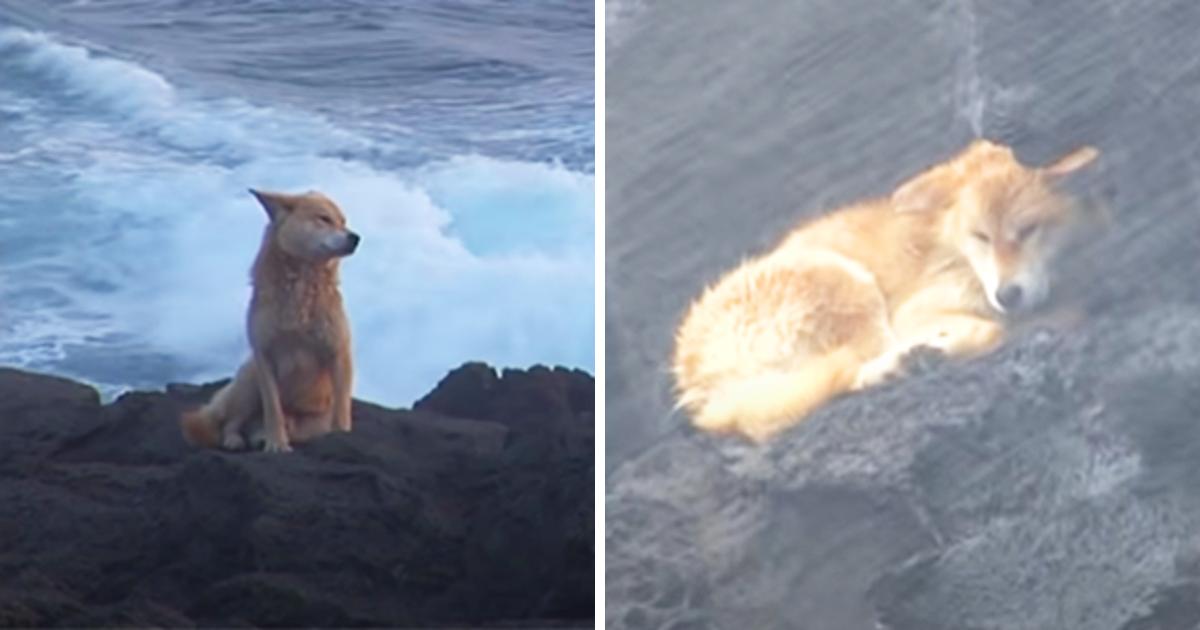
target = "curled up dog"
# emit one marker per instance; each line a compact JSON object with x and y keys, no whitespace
{"x":942,"y":262}
{"x":296,"y":385}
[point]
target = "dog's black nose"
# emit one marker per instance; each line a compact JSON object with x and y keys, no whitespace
{"x":1010,"y":296}
{"x":354,"y":239}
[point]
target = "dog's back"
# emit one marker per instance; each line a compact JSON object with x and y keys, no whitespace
{"x":784,"y":332}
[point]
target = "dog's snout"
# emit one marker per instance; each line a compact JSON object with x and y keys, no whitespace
{"x":353,"y":239}
{"x":1010,"y":296}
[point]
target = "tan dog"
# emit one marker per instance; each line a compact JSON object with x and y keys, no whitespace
{"x":838,"y":304}
{"x":298,"y":380}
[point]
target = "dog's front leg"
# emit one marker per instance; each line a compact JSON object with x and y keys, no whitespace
{"x":274,"y":428}
{"x":880,"y":369}
{"x":961,"y":334}
{"x":956,"y":334}
{"x":343,"y":380}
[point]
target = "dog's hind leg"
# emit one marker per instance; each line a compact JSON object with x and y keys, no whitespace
{"x":274,"y":425}
{"x":804,"y":330}
{"x":218,"y":423}
{"x":240,"y":402}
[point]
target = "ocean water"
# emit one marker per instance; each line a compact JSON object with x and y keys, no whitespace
{"x":457,"y":135}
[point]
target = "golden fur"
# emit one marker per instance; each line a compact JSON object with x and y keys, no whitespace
{"x":836,"y":306}
{"x":297,"y":383}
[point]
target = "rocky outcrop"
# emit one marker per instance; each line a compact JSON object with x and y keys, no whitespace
{"x":424,"y":517}
{"x":1051,"y":486}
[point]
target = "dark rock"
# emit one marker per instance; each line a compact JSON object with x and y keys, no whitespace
{"x":108,"y":518}
{"x":534,"y":400}
{"x":463,"y":393}
{"x":1048,"y":486}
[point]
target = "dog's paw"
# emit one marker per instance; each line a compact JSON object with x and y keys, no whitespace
{"x":233,"y":442}
{"x":878,"y":370}
{"x":276,"y":445}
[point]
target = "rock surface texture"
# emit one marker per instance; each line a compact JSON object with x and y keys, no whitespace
{"x":475,"y":508}
{"x":1053,"y":485}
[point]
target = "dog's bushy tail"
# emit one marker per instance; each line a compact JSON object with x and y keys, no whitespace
{"x":199,"y":429}
{"x":760,"y":406}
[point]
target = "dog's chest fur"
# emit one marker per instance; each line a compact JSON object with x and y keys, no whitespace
{"x":297,"y":306}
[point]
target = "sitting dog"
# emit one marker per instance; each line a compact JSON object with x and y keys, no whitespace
{"x":296,"y":385}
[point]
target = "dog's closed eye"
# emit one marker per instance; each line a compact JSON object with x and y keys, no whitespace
{"x":326,"y":219}
{"x":1027,"y":231}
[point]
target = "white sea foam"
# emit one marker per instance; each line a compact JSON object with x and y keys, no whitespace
{"x":463,"y":259}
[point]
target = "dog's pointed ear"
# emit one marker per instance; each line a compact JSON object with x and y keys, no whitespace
{"x":274,"y":203}
{"x":1072,"y":161}
{"x":931,"y":190}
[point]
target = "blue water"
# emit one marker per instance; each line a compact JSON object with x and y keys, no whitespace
{"x":457,"y":135}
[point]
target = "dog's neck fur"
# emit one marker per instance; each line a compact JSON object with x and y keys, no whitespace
{"x":292,"y":283}
{"x":923,"y":249}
